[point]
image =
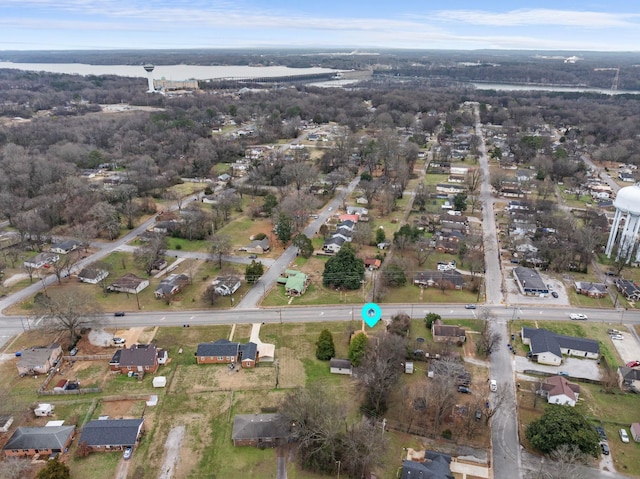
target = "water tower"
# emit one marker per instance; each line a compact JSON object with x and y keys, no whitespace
{"x":149,"y":69}
{"x":625,"y":238}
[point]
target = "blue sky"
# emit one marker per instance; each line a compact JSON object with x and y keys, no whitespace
{"x":350,"y":24}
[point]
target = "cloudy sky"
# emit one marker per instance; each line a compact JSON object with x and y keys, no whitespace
{"x":612,"y":25}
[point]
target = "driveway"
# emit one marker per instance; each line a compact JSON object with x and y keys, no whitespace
{"x":628,"y":348}
{"x":577,"y":368}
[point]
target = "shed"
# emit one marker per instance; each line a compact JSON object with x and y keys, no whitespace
{"x":159,"y":381}
{"x":635,"y":431}
{"x":408,"y":367}
{"x":153,"y":400}
{"x":340,"y":366}
{"x":44,"y":410}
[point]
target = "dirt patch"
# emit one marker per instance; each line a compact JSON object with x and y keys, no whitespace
{"x":172,"y":452}
{"x":119,"y":409}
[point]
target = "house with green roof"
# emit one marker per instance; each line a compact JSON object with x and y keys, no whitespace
{"x":295,"y":282}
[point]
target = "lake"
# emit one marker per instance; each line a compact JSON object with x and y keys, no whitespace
{"x":167,"y":72}
{"x":514,"y":87}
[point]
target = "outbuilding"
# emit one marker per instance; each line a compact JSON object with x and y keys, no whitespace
{"x":159,"y":381}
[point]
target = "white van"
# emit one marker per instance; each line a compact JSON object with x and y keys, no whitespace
{"x":493,"y":385}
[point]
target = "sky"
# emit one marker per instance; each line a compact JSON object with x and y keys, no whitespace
{"x":568,"y":25}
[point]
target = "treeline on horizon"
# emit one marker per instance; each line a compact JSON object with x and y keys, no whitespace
{"x":503,"y":66}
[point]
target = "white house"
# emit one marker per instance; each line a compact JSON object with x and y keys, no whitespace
{"x":548,"y":347}
{"x":92,"y":275}
{"x":65,"y":247}
{"x":42,"y":260}
{"x":226,"y":285}
{"x":129,"y":283}
{"x":558,"y":390}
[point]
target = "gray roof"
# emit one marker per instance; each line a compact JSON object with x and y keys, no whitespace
{"x":111,"y":432}
{"x":257,"y":426}
{"x":435,"y":466}
{"x":49,"y":437}
{"x":629,"y":374}
{"x":339,"y":363}
{"x":138,"y":355}
{"x":452,"y":276}
{"x":223,"y":347}
{"x":543,"y":340}
{"x":530,"y":279}
{"x":34,"y":357}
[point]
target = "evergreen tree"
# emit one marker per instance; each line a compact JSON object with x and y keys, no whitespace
{"x":283,"y":228}
{"x":304,"y":244}
{"x":381,"y":236}
{"x":325,"y":349}
{"x":344,"y":270}
{"x":253,"y":271}
{"x":357,"y":348}
{"x":563,"y":425}
{"x":54,"y":470}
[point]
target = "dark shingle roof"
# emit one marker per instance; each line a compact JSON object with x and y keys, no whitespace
{"x":111,"y":432}
{"x":543,"y":340}
{"x":221,"y":347}
{"x":49,"y":437}
{"x":256,"y":426}
{"x":248,"y":350}
{"x":435,"y":466}
{"x":139,"y":355}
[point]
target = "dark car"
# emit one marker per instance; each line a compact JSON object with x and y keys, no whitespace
{"x":554,"y":294}
{"x":601,"y":433}
{"x":464,"y":390}
{"x":605,"y":448}
{"x":253,"y":256}
{"x":118,"y":313}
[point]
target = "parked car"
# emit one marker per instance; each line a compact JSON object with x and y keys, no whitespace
{"x":493,"y":385}
{"x":118,"y":313}
{"x":633,"y":364}
{"x":618,"y":337}
{"x":464,"y":390}
{"x":478,"y":414}
{"x":469,"y":306}
{"x":253,"y":256}
{"x":624,"y":436}
{"x":127,"y":453}
{"x":605,"y":448}
{"x":601,"y":433}
{"x":613,"y":331}
{"x":119,"y":340}
{"x":73,"y":352}
{"x":564,"y":374}
{"x":554,"y":294}
{"x":578,"y":316}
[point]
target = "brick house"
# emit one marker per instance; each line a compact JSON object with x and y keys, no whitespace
{"x":223,"y":351}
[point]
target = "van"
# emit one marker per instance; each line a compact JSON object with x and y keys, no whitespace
{"x":493,"y":385}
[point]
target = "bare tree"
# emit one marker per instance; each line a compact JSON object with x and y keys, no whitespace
{"x":422,"y":251}
{"x":62,"y":268}
{"x":69,"y":311}
{"x":210,"y":295}
{"x":488,"y":339}
{"x":381,"y":370}
{"x":441,"y":394}
{"x":495,"y":402}
{"x":146,"y":255}
{"x":568,"y":463}
{"x":15,"y":468}
{"x":219,"y":245}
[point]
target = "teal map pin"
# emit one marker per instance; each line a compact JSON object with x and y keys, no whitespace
{"x":371,"y":314}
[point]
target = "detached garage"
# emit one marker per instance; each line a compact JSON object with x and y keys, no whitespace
{"x":159,"y":381}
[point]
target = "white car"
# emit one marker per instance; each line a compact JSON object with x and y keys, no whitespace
{"x":493,"y":385}
{"x":624,"y":436}
{"x":619,"y":337}
{"x":578,"y":316}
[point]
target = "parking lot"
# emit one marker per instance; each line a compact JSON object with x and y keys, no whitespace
{"x":628,"y":348}
{"x":577,"y":368}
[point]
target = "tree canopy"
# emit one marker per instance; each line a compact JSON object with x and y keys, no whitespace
{"x":325,"y":349}
{"x":562,"y":425}
{"x":344,"y":270}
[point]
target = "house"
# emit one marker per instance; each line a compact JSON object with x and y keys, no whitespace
{"x":172,"y":284}
{"x":5,"y":423}
{"x":628,"y":288}
{"x":353,"y":217}
{"x":357,"y":210}
{"x":65,"y":247}
{"x":443,"y":333}
{"x":593,"y":290}
{"x":529,"y":281}
{"x":223,"y":177}
{"x":451,"y":279}
{"x":434,"y":465}
{"x":450,"y":188}
{"x":223,"y":351}
{"x":139,"y":358}
{"x":92,"y":275}
{"x":635,"y":431}
{"x":296,"y":283}
{"x":226,"y":285}
{"x":111,"y":434}
{"x":340,"y":366}
{"x":548,"y":347}
{"x":41,"y":260}
{"x":259,"y":430}
{"x":29,"y":441}
{"x":165,"y":227}
{"x":333,"y":244}
{"x":558,"y":390}
{"x":627,"y":177}
{"x":38,"y":360}
{"x":372,"y":263}
{"x":129,"y":283}
{"x":257,"y":246}
{"x":524,"y":176}
{"x":629,"y":378}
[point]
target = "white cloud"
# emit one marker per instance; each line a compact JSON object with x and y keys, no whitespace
{"x":539,"y":17}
